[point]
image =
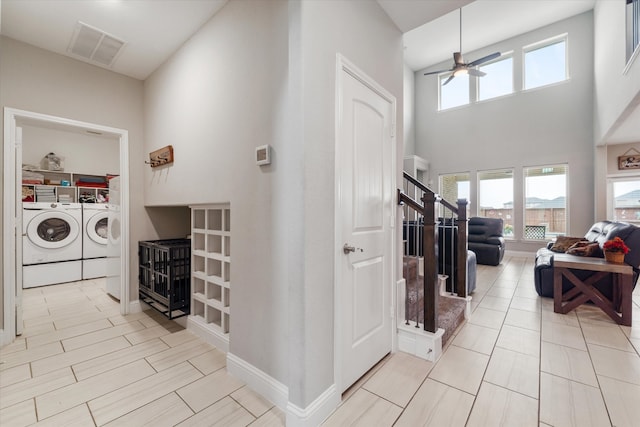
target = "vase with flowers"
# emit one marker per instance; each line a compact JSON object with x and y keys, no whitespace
{"x":615,"y":250}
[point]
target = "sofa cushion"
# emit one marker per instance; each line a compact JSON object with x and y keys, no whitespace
{"x":585,"y":248}
{"x":563,"y":243}
{"x":606,"y":230}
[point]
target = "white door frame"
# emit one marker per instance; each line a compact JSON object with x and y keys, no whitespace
{"x":12,"y":220}
{"x":343,"y":64}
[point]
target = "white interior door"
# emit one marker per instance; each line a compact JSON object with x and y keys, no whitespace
{"x":18,"y":233}
{"x":365,"y":153}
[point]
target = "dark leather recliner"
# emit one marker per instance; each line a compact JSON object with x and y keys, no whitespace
{"x":485,"y":239}
{"x":599,"y":232}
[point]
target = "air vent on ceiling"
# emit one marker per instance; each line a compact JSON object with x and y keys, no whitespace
{"x":95,"y":45}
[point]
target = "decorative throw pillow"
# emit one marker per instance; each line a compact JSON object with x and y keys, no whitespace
{"x":563,"y":243}
{"x":584,"y":248}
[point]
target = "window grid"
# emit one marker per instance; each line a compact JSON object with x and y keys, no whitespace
{"x":545,"y":208}
{"x":495,"y":197}
{"x":453,"y":94}
{"x":632,"y":28}
{"x":499,"y":78}
{"x":458,"y":91}
{"x":453,"y":187}
{"x":545,"y":63}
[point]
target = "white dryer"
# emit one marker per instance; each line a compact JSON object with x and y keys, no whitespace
{"x":51,"y":243}
{"x":94,"y":240}
{"x":114,"y":279}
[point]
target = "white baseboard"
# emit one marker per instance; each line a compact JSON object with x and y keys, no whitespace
{"x":420,"y":343}
{"x":137,"y":306}
{"x":5,"y":337}
{"x":207,"y":334}
{"x":278,"y":393}
{"x":318,"y":411}
{"x":263,"y":384}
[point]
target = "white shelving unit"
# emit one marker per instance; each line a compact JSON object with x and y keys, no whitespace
{"x":53,"y":180}
{"x":210,"y":268}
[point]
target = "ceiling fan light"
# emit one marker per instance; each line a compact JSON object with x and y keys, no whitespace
{"x":460,"y":72}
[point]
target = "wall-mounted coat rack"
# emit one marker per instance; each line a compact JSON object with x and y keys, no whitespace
{"x":161,"y":157}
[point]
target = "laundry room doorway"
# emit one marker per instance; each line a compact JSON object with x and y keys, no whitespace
{"x":15,"y":121}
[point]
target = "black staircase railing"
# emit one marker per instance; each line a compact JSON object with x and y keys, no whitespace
{"x":438,"y":243}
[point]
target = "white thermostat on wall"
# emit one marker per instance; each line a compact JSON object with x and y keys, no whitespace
{"x":263,"y":155}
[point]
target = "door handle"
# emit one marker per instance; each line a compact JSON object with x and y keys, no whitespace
{"x":346,"y":249}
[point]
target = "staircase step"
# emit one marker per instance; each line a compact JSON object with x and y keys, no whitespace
{"x":410,"y":267}
{"x":450,"y":310}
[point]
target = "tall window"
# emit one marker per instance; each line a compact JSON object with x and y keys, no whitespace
{"x":545,"y":212}
{"x":624,"y":199}
{"x":455,"y":93}
{"x":545,"y":63}
{"x":632,"y":27}
{"x":495,"y":197}
{"x":499,"y":78}
{"x":455,"y":186}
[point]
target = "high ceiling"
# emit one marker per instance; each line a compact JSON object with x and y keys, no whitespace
{"x":484,"y":22}
{"x":153,"y":30}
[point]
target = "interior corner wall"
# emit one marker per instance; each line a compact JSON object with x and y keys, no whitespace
{"x":232,"y":87}
{"x":365,"y":36}
{"x":33,"y":79}
{"x":543,"y":126}
{"x":615,"y":93}
{"x":221,"y":95}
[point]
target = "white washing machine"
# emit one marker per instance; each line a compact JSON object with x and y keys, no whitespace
{"x":94,"y":240}
{"x":51,"y":243}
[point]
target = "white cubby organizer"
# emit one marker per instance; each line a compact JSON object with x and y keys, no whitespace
{"x":74,"y":193}
{"x":210,"y":268}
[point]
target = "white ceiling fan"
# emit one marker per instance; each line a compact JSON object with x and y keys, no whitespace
{"x":460,"y":67}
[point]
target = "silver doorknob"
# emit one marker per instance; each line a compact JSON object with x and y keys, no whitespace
{"x":346,"y":249}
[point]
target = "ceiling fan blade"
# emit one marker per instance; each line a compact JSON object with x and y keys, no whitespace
{"x":448,"y":80}
{"x":484,"y":59}
{"x":437,"y":72}
{"x":476,"y":73}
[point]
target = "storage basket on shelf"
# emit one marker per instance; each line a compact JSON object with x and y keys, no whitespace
{"x":165,"y":275}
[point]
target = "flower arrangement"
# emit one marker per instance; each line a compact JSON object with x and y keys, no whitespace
{"x":615,"y":245}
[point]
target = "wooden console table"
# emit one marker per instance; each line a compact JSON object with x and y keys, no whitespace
{"x":619,"y":308}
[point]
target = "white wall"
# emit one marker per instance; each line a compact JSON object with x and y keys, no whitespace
{"x":363,"y":33}
{"x":36,"y":80}
{"x":616,"y":93}
{"x":409,"y":116}
{"x":220,"y":96}
{"x":264,"y":73}
{"x":547,"y":125}
{"x":83,"y":153}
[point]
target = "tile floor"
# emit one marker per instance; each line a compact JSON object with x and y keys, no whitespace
{"x":514,"y":363}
